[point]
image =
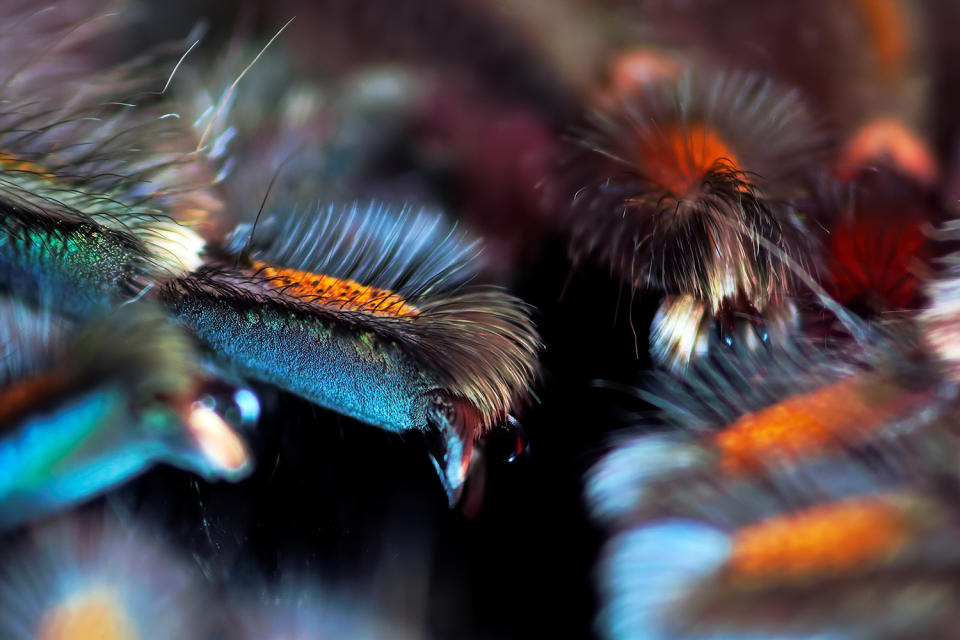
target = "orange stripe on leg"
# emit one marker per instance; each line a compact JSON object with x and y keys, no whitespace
{"x":833,"y":538}
{"x":810,"y":424}
{"x":348,"y":294}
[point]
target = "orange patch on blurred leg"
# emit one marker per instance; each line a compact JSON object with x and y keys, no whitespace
{"x":677,"y":159}
{"x":95,"y":615}
{"x":347,"y":294}
{"x":832,"y":538}
{"x":885,"y":27}
{"x":38,"y":391}
{"x":888,"y":139}
{"x":810,"y":424}
{"x":9,"y":162}
{"x":638,"y":68}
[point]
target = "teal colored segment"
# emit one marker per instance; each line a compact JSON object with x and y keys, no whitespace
{"x":84,"y":269}
{"x":72,"y":453}
{"x":354,"y":372}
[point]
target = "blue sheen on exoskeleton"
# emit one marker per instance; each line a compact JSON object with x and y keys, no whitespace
{"x":358,"y":373}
